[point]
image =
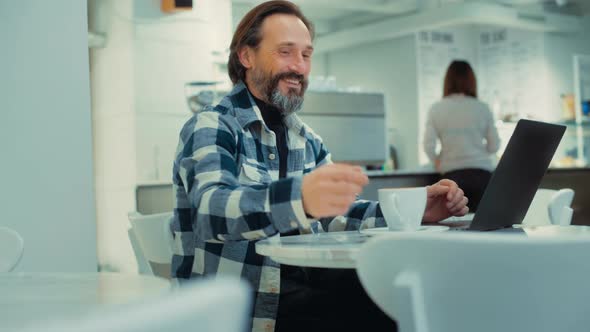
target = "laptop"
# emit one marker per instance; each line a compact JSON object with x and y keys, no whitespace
{"x":519,"y":172}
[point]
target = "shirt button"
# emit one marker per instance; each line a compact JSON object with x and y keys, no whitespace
{"x":272,"y":156}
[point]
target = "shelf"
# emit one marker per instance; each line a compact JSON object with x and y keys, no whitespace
{"x":572,"y":123}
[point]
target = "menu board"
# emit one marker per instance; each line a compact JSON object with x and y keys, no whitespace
{"x":512,"y":73}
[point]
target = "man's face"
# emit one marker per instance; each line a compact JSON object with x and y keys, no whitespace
{"x":280,"y":66}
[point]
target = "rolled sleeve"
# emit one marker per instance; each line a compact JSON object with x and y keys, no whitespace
{"x":286,"y":205}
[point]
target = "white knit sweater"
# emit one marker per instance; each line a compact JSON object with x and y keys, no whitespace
{"x":467,"y":133}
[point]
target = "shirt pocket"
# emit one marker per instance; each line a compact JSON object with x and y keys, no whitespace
{"x":252,"y":174}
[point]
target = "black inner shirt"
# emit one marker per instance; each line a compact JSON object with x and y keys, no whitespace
{"x":273,"y":118}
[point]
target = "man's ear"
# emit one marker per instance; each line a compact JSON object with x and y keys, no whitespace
{"x":245,"y":56}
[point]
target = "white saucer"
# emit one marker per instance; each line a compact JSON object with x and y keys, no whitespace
{"x":385,"y":230}
{"x":554,"y":230}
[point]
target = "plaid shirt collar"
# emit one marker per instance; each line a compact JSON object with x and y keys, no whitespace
{"x":251,"y":113}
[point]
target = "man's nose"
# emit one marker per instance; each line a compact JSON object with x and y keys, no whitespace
{"x":298,"y":65}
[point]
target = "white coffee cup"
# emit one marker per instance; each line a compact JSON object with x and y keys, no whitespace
{"x":403,"y":208}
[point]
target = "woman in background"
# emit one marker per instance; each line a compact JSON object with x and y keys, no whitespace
{"x":465,"y":127}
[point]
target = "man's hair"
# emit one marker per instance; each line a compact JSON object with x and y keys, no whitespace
{"x":248,"y":32}
{"x":460,"y":78}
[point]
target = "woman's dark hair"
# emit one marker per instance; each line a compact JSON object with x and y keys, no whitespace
{"x":460,"y":78}
{"x":248,"y":32}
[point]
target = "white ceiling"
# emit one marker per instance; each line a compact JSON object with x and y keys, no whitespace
{"x":342,"y":23}
{"x":334,"y":14}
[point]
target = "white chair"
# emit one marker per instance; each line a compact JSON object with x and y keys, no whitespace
{"x":143,"y":265}
{"x":151,"y":239}
{"x":560,"y":211}
{"x":437,"y":282}
{"x":11,"y":249}
{"x":550,"y":207}
{"x":214,"y":305}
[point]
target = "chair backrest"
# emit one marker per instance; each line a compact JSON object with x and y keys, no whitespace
{"x":151,"y":234}
{"x":214,"y":305}
{"x":11,"y":249}
{"x":483,"y":282}
{"x":143,"y":265}
{"x":548,"y":207}
{"x":560,"y":211}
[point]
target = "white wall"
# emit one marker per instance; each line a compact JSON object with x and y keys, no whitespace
{"x":46,"y":178}
{"x":388,"y":67}
{"x":168,"y":52}
{"x":139,"y":102}
{"x":238,"y":12}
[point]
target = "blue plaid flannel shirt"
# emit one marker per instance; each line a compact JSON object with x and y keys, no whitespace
{"x":229,"y":195}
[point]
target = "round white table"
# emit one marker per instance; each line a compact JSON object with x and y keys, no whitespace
{"x":31,"y":298}
{"x":328,"y":250}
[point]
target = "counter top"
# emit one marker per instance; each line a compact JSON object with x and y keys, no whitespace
{"x":400,"y":172}
{"x":155,"y":197}
{"x":427,"y":171}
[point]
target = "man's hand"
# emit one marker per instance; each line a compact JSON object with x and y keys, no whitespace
{"x":331,"y":189}
{"x":444,"y":199}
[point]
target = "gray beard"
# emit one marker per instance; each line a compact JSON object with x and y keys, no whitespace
{"x":286,"y":104}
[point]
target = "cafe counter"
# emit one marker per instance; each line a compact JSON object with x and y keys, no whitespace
{"x":158,"y":197}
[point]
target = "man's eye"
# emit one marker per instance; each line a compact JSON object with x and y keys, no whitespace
{"x":284,"y":52}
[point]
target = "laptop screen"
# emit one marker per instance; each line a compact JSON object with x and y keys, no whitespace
{"x":514,"y":182}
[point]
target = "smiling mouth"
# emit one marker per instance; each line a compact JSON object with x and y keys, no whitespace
{"x":292,"y":82}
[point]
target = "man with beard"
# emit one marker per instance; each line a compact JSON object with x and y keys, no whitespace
{"x":248,"y":169}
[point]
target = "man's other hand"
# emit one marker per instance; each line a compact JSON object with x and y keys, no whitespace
{"x":331,"y":189}
{"x":444,"y":199}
